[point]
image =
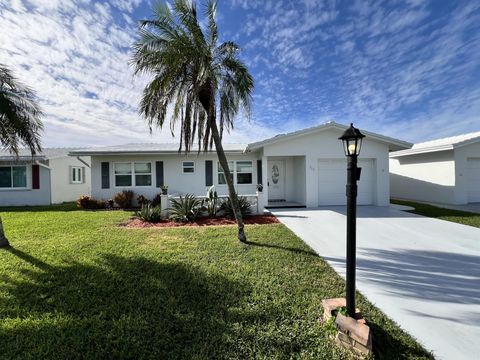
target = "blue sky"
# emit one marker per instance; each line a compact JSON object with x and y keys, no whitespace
{"x":408,"y":69}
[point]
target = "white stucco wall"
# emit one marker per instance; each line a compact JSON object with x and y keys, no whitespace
{"x":425,"y":177}
{"x":174,"y":178}
{"x":63,"y":190}
{"x":325,"y":145}
{"x":462,"y":154}
{"x":29,"y":196}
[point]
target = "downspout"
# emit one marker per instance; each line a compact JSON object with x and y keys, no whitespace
{"x":83,"y":161}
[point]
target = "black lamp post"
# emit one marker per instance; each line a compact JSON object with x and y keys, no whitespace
{"x":352,"y":143}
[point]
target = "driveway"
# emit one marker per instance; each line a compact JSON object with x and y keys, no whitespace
{"x":423,"y":273}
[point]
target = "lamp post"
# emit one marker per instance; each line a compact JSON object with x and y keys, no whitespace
{"x":352,"y":144}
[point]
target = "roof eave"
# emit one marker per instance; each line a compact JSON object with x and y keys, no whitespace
{"x":385,"y":139}
{"x":432,"y":149}
{"x":128,"y":153}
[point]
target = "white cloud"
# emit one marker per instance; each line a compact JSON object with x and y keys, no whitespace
{"x":77,"y":59}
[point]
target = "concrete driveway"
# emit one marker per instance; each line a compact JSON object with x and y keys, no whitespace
{"x":423,"y":273}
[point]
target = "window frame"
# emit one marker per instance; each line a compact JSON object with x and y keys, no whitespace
{"x":188,"y":167}
{"x":76,"y":170}
{"x":11,"y":187}
{"x":233,"y":170}
{"x":243,"y":172}
{"x":133,"y":174}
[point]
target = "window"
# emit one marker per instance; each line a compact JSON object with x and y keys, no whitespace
{"x":123,"y":174}
{"x":244,"y":172}
{"x":188,"y":167}
{"x":12,"y":177}
{"x":221,"y":175}
{"x":133,"y":174}
{"x":77,"y":175}
{"x":143,"y":174}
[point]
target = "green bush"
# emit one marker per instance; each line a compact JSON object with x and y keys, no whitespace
{"x":150,"y":213}
{"x":185,"y":209}
{"x":124,"y":199}
{"x":87,"y":202}
{"x":226,"y":207}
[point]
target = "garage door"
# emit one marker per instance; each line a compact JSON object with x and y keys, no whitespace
{"x":473,"y":175}
{"x":332,"y":178}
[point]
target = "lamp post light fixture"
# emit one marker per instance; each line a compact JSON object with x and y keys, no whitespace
{"x":352,"y":144}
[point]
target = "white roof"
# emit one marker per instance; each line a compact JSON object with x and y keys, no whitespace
{"x":394,"y":144}
{"x":448,"y":143}
{"x":148,"y":148}
{"x":46,"y":153}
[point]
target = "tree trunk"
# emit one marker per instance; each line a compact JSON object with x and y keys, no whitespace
{"x":3,"y":239}
{"x":228,"y":175}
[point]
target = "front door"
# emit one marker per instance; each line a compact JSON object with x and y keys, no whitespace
{"x":276,"y":180}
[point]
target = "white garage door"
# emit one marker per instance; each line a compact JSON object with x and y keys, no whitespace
{"x":473,"y":174}
{"x":332,"y":178}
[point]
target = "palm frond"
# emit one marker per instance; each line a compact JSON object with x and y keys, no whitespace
{"x":20,"y":114}
{"x":193,"y":78}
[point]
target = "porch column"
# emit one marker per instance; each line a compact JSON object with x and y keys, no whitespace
{"x":311,"y":183}
{"x":265,"y":178}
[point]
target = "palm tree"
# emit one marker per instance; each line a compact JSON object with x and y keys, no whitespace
{"x":20,"y":122}
{"x":195,"y":77}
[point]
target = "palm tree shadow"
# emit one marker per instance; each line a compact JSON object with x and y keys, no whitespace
{"x":120,"y":306}
{"x":286,"y":248}
{"x":28,"y":258}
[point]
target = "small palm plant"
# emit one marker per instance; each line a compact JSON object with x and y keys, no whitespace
{"x":227,"y":208}
{"x":196,"y":77}
{"x":211,"y":202}
{"x":20,"y":122}
{"x":150,"y":213}
{"x":185,"y":209}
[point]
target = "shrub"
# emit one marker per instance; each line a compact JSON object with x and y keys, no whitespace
{"x":150,"y":213}
{"x":185,"y":209}
{"x":211,"y":202}
{"x":124,"y":199}
{"x":142,"y":200}
{"x":87,"y":202}
{"x":244,"y":204}
{"x":157,"y":200}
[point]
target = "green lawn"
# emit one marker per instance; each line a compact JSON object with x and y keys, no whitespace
{"x":461,"y":217}
{"x":77,"y":285}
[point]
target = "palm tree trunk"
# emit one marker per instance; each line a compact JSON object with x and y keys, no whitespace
{"x":3,"y":239}
{"x":228,"y":178}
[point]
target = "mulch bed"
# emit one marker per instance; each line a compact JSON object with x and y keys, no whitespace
{"x":248,"y":220}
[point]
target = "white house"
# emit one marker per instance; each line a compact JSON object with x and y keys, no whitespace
{"x":442,"y":171}
{"x":303,"y":168}
{"x":51,"y":177}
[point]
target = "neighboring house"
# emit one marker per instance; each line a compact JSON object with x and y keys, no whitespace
{"x":51,"y":177}
{"x":442,"y":171}
{"x":303,"y":168}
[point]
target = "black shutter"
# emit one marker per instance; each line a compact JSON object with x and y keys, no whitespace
{"x":105,"y":175}
{"x":208,"y":172}
{"x":159,"y":171}
{"x":259,"y":172}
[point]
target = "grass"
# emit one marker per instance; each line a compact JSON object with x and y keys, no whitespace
{"x":461,"y":217}
{"x":76,"y":285}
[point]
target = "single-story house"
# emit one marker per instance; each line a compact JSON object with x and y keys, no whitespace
{"x":441,"y":171}
{"x":302,"y":168}
{"x":51,"y":177}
